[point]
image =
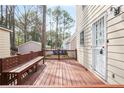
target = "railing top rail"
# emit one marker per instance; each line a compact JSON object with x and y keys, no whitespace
{"x":13,"y":61}
{"x":31,"y":53}
{"x":58,"y":49}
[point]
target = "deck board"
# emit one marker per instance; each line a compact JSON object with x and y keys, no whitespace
{"x":63,"y":73}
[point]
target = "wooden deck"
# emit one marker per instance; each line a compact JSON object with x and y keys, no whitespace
{"x":61,"y":74}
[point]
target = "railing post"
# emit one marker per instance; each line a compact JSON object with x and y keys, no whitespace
{"x":18,"y":79}
{"x":3,"y":78}
{"x":75,"y":54}
{"x":58,"y":54}
{"x":0,"y":71}
{"x":43,"y":54}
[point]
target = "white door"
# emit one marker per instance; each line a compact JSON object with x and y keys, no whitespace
{"x":99,"y":47}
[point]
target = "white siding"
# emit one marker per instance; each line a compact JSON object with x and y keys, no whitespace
{"x":72,"y":43}
{"x":115,"y":35}
{"x":4,"y":43}
{"x":85,"y":20}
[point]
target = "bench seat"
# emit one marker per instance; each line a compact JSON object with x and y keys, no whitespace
{"x":24,"y":66}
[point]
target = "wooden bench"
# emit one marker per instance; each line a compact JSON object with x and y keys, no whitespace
{"x":16,"y":69}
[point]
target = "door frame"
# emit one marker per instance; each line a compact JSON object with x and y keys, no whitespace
{"x":106,"y":48}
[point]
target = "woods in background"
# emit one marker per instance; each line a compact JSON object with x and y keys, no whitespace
{"x":60,"y":23}
{"x":26,"y":23}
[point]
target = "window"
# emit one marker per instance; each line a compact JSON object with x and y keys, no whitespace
{"x":82,"y":38}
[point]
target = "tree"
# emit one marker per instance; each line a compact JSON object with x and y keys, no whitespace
{"x":29,"y":23}
{"x":63,"y":23}
{"x":57,"y":18}
{"x":68,"y":22}
{"x":49,"y":12}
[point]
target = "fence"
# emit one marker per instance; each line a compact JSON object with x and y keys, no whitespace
{"x":60,"y":54}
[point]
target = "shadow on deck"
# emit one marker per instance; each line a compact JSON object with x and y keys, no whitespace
{"x":62,"y":73}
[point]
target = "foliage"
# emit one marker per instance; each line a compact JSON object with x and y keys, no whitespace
{"x":29,"y":22}
{"x":61,"y":23}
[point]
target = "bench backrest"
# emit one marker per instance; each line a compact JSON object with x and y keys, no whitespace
{"x":11,"y":62}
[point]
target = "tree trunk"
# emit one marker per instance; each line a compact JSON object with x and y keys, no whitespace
{"x":25,"y":25}
{"x":43,"y":29}
{"x":6,"y":21}
{"x":12,"y":26}
{"x":57,"y":32}
{"x":50,"y":33}
{"x":1,"y":15}
{"x":64,"y":30}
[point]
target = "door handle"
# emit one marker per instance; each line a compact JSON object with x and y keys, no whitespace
{"x":101,"y":51}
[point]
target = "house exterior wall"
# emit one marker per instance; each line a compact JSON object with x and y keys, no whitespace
{"x":4,"y":42}
{"x":115,"y":35}
{"x":73,"y":40}
{"x":70,"y":43}
{"x":73,"y":44}
{"x":28,"y":47}
{"x":66,"y":44}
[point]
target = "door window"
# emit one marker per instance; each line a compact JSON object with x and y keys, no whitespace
{"x":99,"y":30}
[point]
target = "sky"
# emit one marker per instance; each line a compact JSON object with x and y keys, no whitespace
{"x":71,"y":9}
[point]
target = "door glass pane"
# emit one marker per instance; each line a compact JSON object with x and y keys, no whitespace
{"x":99,"y":32}
{"x":102,"y":30}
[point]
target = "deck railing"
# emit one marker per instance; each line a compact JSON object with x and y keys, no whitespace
{"x":60,"y":54}
{"x":9,"y":62}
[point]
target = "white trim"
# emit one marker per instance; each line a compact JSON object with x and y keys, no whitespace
{"x":105,"y":33}
{"x":5,"y":29}
{"x":105,"y":23}
{"x":30,"y":42}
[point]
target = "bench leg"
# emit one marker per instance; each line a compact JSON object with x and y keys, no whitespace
{"x":18,"y":79}
{"x":43,"y":60}
{"x":36,"y":67}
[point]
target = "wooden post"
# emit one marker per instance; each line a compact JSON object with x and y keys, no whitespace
{"x":18,"y":79}
{"x":5,"y":78}
{"x":0,"y":71}
{"x":43,"y":60}
{"x":58,"y":54}
{"x":75,"y":54}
